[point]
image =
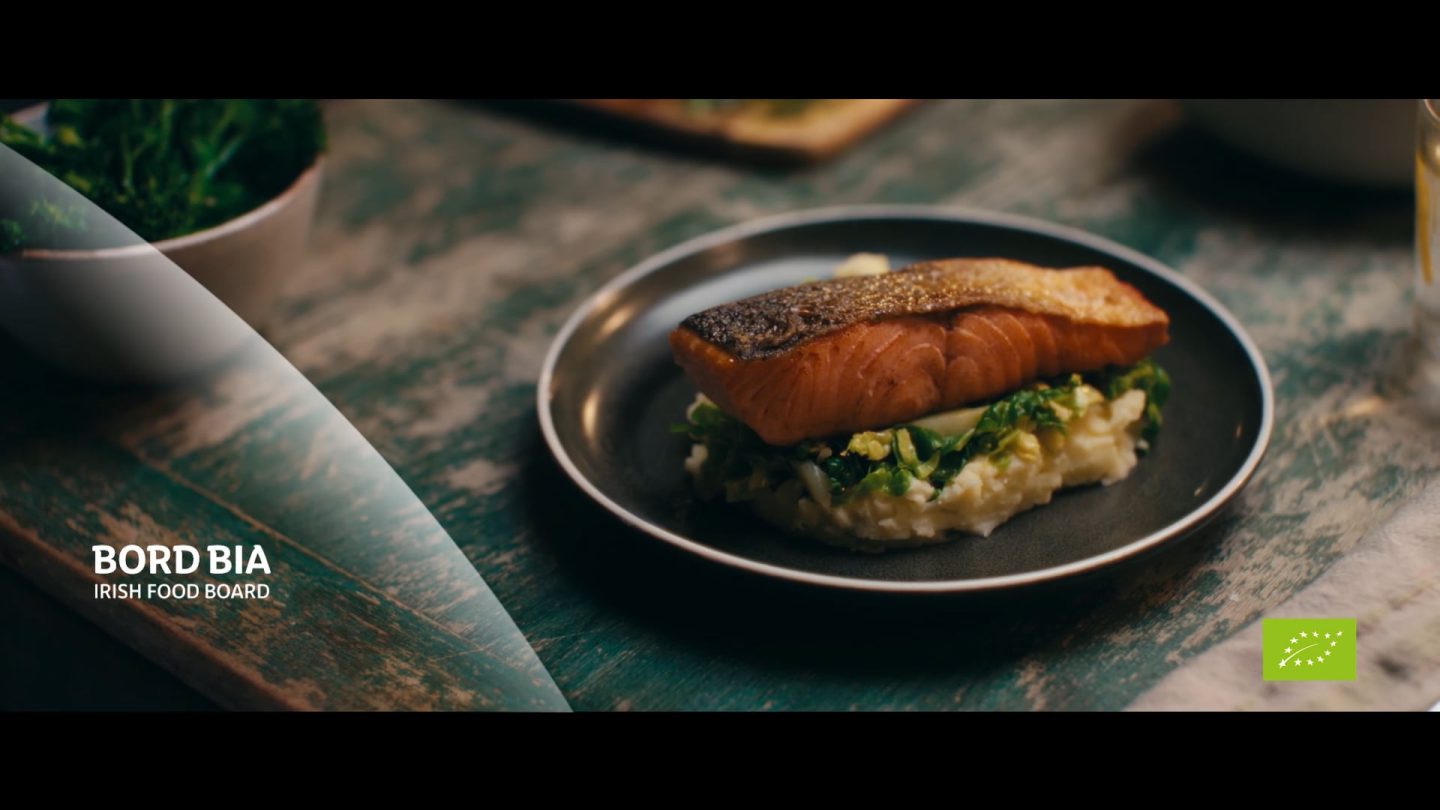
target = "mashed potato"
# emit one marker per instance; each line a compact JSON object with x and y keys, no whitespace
{"x":1098,"y":446}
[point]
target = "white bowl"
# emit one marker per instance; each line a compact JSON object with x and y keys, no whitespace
{"x":1364,"y":141}
{"x":131,"y":314}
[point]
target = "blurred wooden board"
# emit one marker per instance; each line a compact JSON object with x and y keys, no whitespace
{"x":774,"y":127}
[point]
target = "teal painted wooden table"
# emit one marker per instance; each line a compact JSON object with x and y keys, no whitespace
{"x":455,"y":238}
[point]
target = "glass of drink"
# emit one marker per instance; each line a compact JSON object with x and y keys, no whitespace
{"x":1427,"y":232}
{"x":1425,"y":370}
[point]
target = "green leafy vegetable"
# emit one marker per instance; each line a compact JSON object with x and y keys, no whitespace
{"x":888,"y":460}
{"x":1143,"y":376}
{"x":734,"y":452}
{"x":871,"y":444}
{"x":163,"y":167}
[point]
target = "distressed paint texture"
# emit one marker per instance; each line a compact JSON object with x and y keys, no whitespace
{"x":454,"y":239}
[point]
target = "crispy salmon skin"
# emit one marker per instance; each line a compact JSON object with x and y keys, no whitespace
{"x":867,"y":352}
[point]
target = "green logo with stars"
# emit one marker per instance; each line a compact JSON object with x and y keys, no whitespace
{"x":1308,"y":649}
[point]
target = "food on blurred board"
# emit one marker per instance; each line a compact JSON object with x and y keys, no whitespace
{"x":773,"y":107}
{"x":886,"y":410}
{"x":776,"y":128}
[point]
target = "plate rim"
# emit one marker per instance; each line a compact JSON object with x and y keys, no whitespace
{"x":957,"y":214}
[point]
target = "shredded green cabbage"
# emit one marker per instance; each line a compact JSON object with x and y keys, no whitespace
{"x":889,"y":459}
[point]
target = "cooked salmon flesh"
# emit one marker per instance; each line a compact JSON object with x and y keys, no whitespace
{"x":867,"y":352}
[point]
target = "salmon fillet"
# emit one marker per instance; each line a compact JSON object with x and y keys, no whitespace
{"x":871,"y":352}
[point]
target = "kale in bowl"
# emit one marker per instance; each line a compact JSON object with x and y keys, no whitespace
{"x":163,"y":167}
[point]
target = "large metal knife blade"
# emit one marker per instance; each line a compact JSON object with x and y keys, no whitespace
{"x":370,"y":604}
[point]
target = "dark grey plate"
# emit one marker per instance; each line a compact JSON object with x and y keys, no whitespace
{"x":609,"y":392}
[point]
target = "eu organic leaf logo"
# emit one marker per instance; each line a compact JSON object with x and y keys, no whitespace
{"x":1308,"y":649}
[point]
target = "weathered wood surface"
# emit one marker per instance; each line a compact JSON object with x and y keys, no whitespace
{"x":454,"y":239}
{"x":371,"y":605}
